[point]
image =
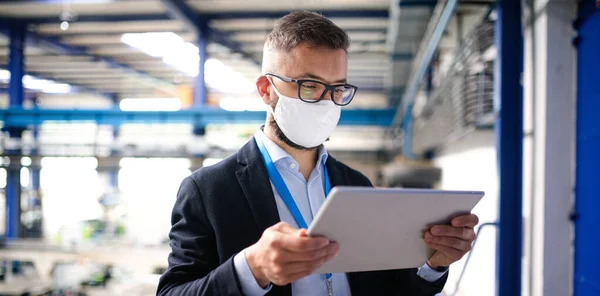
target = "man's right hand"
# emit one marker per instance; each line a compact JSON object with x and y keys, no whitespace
{"x":285,"y":254}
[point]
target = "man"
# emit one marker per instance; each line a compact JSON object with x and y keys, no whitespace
{"x":238,"y":227}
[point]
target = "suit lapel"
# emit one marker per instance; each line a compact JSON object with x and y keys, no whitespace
{"x":335,"y":175}
{"x":255,"y":183}
{"x":254,"y":180}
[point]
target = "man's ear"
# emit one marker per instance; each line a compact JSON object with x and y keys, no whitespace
{"x":264,"y":89}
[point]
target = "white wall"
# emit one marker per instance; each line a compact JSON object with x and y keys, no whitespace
{"x":470,"y":164}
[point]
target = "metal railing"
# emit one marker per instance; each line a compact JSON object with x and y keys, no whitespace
{"x":464,"y":100}
{"x":462,"y":272}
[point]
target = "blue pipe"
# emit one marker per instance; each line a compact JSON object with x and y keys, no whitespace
{"x":508,"y":104}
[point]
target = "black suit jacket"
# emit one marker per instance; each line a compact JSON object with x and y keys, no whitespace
{"x":222,"y":209}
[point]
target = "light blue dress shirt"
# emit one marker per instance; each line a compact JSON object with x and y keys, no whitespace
{"x":309,"y":196}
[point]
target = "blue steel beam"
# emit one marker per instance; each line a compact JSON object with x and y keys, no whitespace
{"x":90,"y":18}
{"x":366,"y":13}
{"x":508,"y":105}
{"x":19,"y":117}
{"x":183,"y":12}
{"x":244,"y":31}
{"x":432,"y":3}
{"x":179,"y":9}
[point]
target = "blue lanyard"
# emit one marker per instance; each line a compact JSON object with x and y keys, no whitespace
{"x":282,"y":189}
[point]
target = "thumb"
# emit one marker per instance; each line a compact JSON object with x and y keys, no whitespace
{"x":302,"y":233}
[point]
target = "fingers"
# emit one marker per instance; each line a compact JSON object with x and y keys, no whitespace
{"x":469,"y":221}
{"x":330,"y":250}
{"x":452,"y":242}
{"x":284,"y":254}
{"x":283,"y":257}
{"x":306,"y":267}
{"x":446,"y":230}
{"x":287,"y":267}
{"x":294,"y":240}
{"x":300,"y":244}
{"x":452,"y":254}
{"x":284,"y":228}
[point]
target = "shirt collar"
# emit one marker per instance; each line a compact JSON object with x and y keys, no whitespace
{"x":277,"y":153}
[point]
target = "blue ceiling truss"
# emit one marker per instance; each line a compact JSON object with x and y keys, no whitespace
{"x":373,"y":13}
{"x":53,"y":45}
{"x":179,"y":9}
{"x":195,"y":21}
{"x":244,"y":31}
{"x":348,"y":13}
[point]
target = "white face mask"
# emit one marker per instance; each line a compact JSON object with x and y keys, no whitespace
{"x":306,"y":124}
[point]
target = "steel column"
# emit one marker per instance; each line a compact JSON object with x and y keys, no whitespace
{"x":16,"y":95}
{"x":508,"y":104}
{"x":16,"y":63}
{"x":587,"y":202}
{"x":200,"y":83}
{"x":13,"y":198}
{"x":35,"y":203}
{"x":113,"y":177}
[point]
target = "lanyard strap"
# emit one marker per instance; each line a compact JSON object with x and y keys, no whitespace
{"x":282,"y":189}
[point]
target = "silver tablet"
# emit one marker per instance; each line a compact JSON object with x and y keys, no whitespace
{"x":381,"y":229}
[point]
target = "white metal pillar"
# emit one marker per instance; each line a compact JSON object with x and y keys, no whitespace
{"x":549,"y":128}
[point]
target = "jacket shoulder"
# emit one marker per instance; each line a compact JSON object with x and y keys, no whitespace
{"x":223,"y":171}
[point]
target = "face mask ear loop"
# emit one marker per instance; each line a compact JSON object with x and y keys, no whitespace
{"x":270,"y":108}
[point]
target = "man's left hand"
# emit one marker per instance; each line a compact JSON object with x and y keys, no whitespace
{"x":451,"y":242}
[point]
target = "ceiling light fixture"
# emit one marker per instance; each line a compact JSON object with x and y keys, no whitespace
{"x":184,"y":56}
{"x":66,"y":15}
{"x":34,"y":83}
{"x":64,"y":25}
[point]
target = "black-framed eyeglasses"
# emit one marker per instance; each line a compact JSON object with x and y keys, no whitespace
{"x":312,"y":91}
